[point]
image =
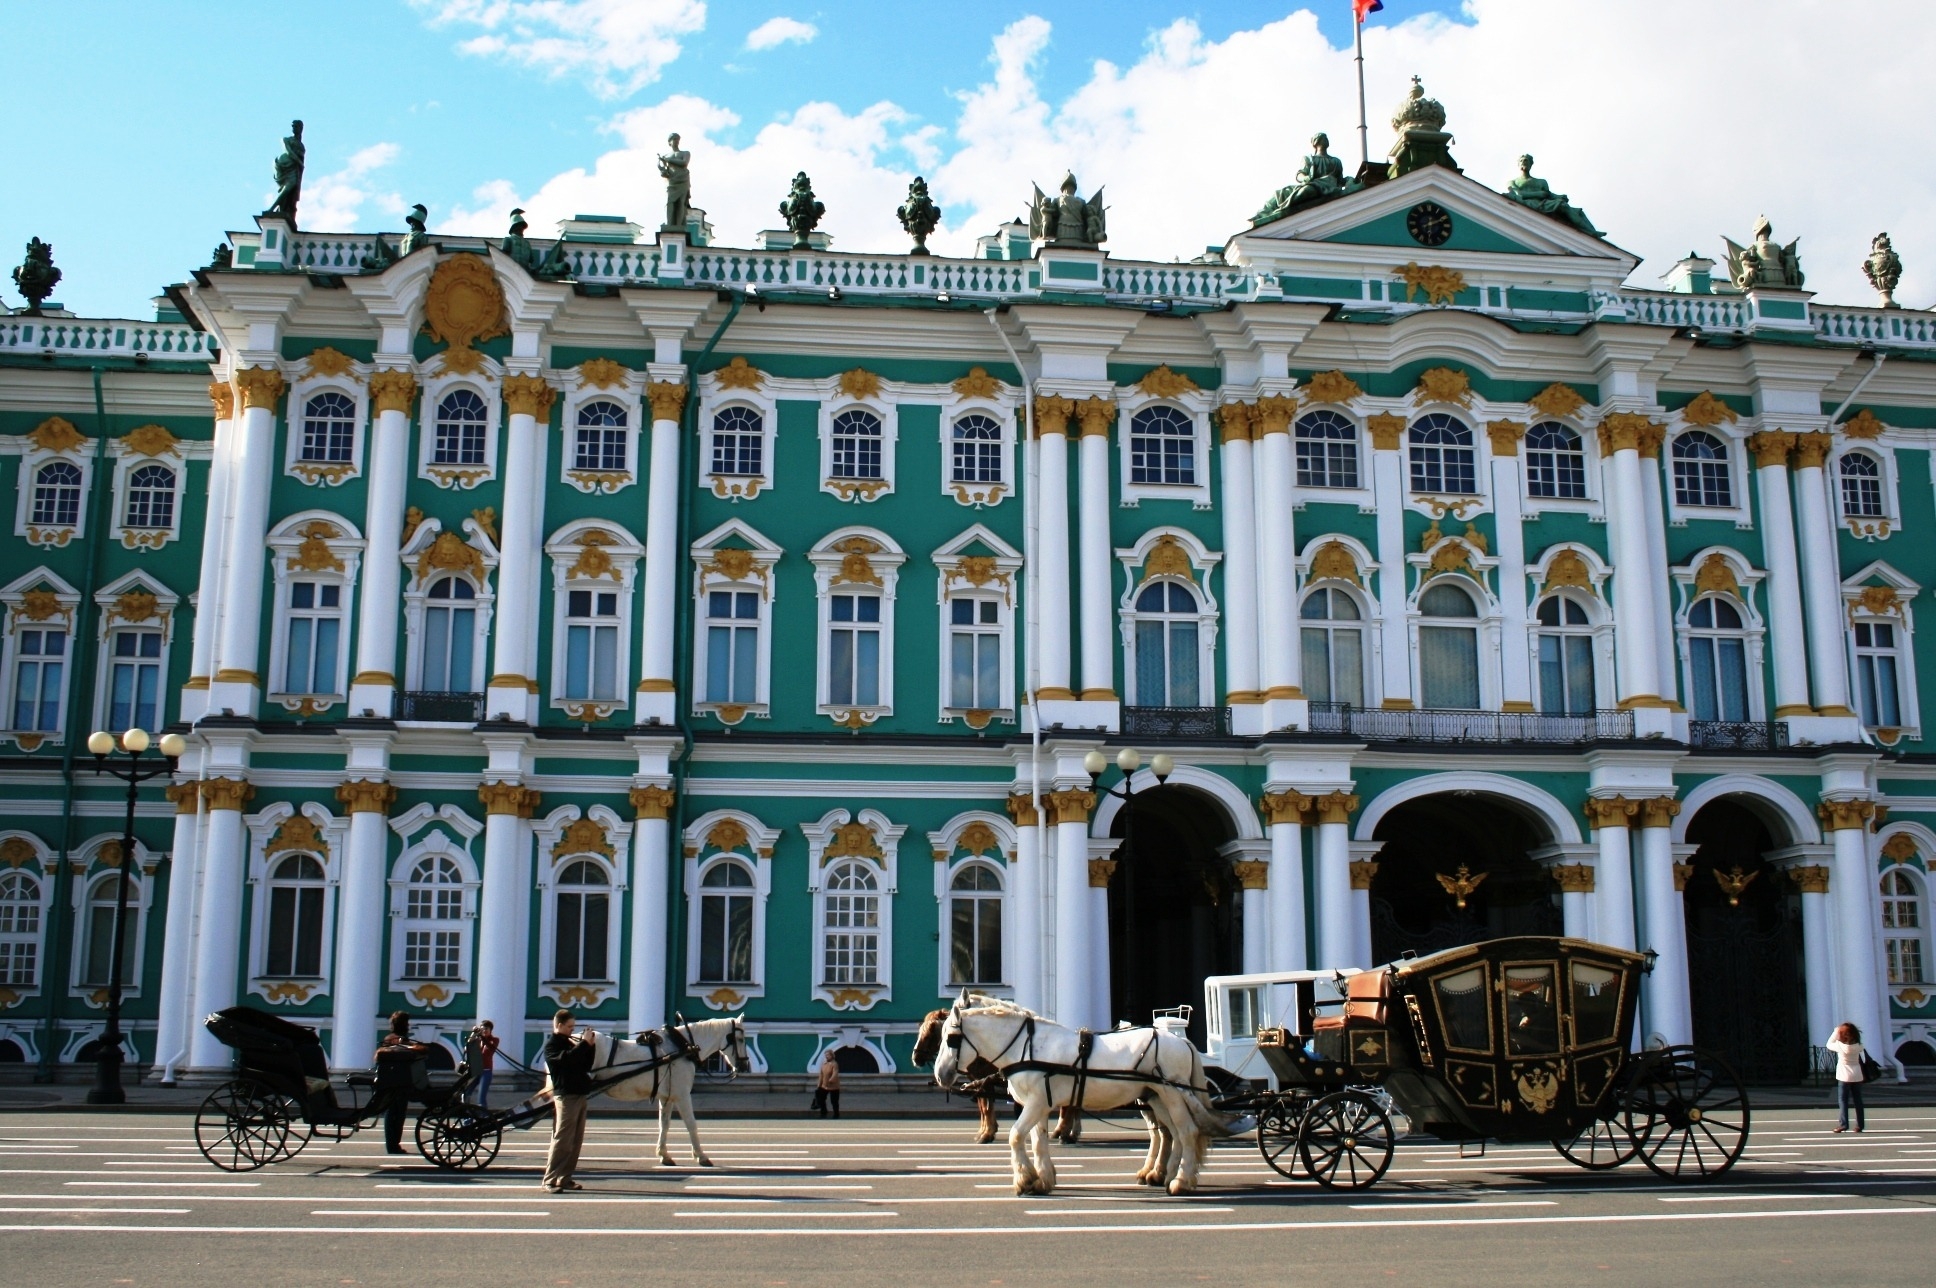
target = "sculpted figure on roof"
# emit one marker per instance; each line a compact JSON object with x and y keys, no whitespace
{"x":676,"y":169}
{"x":1068,"y":220}
{"x":1321,"y":177}
{"x":1766,"y":263}
{"x":1533,"y":193}
{"x":289,"y":175}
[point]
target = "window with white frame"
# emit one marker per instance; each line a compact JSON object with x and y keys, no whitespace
{"x":581,"y":902}
{"x":726,"y":919}
{"x":1702,"y":473}
{"x":1162,"y":447}
{"x":602,"y":438}
{"x":134,"y":678}
{"x":150,"y":498}
{"x":591,"y":645}
{"x":329,"y":428}
{"x":1167,"y":638}
{"x":20,"y":921}
{"x":294,"y":946}
{"x":459,"y":429}
{"x":851,"y":925}
{"x":449,"y":650}
{"x":1443,"y":459}
{"x":39,"y":676}
{"x":1448,"y":648}
{"x":856,"y":448}
{"x":1333,"y":638}
{"x":1878,"y":672}
{"x":57,"y":496}
{"x":975,"y":630}
{"x":1861,"y":476}
{"x":1717,"y":649}
{"x":1327,"y":450}
{"x":739,"y":441}
{"x":97,"y":932}
{"x":1903,"y":927}
{"x":854,"y":650}
{"x":1555,"y":462}
{"x":1564,"y":640}
{"x":975,"y":900}
{"x":732,"y":646}
{"x":434,"y":926}
{"x":313,"y":626}
{"x":976,"y":449}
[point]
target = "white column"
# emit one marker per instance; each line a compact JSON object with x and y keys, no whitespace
{"x":1818,"y":949}
{"x":1576,"y":899}
{"x":1277,"y":549}
{"x":1668,"y":1011}
{"x":1073,"y":964}
{"x":1654,"y":513}
{"x":1052,"y":558}
{"x":1636,"y":650}
{"x":1364,"y":866}
{"x":236,"y":685}
{"x":1243,"y":686}
{"x":215,"y":513}
{"x":216,"y":964}
{"x":1821,"y":579}
{"x":357,"y":988}
{"x":1092,"y":544}
{"x":1858,"y":992}
{"x":1786,"y":646}
{"x":503,"y":939}
{"x":651,"y":907}
{"x":1516,"y":688}
{"x":380,"y":601}
{"x":1388,"y":491}
{"x":1254,"y":875}
{"x":178,"y":933}
{"x":1337,"y":933}
{"x":1611,"y":819}
{"x":1025,"y":904}
{"x":1101,"y":1004}
{"x":659,"y":611}
{"x":529,"y":400}
{"x":1285,"y":812}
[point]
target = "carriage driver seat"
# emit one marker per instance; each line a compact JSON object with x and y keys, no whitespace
{"x":1365,"y":995}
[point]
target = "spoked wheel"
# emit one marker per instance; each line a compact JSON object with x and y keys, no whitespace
{"x":1277,"y":1136}
{"x":242,"y":1126}
{"x":1346,"y":1142}
{"x":459,"y":1137}
{"x":291,"y":1111}
{"x":1601,"y":1144}
{"x":1687,"y":1113}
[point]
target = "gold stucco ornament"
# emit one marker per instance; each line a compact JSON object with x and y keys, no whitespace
{"x":464,"y":304}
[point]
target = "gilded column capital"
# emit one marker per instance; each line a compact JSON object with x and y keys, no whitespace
{"x":1021,"y":808}
{"x":1682,"y":873}
{"x":1100,"y":870}
{"x":668,"y":400}
{"x":1233,"y":419}
{"x":1841,"y":816}
{"x":1609,"y":811}
{"x":1072,"y":806}
{"x":1362,"y":871}
{"x":1505,"y":436}
{"x":1272,"y":415}
{"x":528,"y":396}
{"x":367,"y":796}
{"x":1574,"y":878}
{"x":1622,"y":431}
{"x":651,"y":802}
{"x":1811,"y":450}
{"x":1771,"y":447}
{"x":1052,"y":414}
{"x":393,"y":391}
{"x":1335,"y":807}
{"x":1651,"y":436}
{"x":259,"y":386}
{"x":1252,"y":875}
{"x":227,"y":793}
{"x":1286,"y":807}
{"x":509,"y":798}
{"x":1658,"y":811}
{"x":1386,"y":429}
{"x":1810,"y":878}
{"x":184,"y":795}
{"x":223,"y":396}
{"x":1096,"y":415}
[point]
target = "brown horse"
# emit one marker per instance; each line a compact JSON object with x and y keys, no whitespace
{"x":985,"y":1084}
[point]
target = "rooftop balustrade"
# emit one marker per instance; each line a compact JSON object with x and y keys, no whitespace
{"x":109,"y":338}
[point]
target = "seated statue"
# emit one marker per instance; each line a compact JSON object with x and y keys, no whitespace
{"x":1535,"y":195}
{"x":1321,"y":177}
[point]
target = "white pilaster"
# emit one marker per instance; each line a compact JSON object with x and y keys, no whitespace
{"x":1252,"y":862}
{"x":1858,"y":991}
{"x":1821,"y":584}
{"x":1810,"y":868}
{"x":220,"y":940}
{"x":1074,"y":996}
{"x":1280,"y":660}
{"x":1098,"y":640}
{"x":1286,"y":890}
{"x":1244,"y":686}
{"x":1787,"y":646}
{"x":651,"y":875}
{"x":208,"y":599}
{"x":657,"y":699}
{"x":379,"y":604}
{"x":1388,"y":489}
{"x":1364,"y":857}
{"x":1612,"y":819}
{"x":1025,"y":902}
{"x":1637,"y":655}
{"x":1101,"y":1003}
{"x":1654,"y":512}
{"x":514,"y":618}
{"x":178,"y":934}
{"x":357,"y":987}
{"x":236,"y":685}
{"x":1516,"y":687}
{"x":1668,"y":1010}
{"x":1052,"y":558}
{"x":1337,"y":933}
{"x":503,"y":926}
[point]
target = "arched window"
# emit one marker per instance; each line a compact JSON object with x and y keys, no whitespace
{"x":600,"y":440}
{"x":57,"y":495}
{"x":977,"y":450}
{"x":19,"y":929}
{"x":1162,"y":447}
{"x":295,"y":918}
{"x":1448,"y":648}
{"x":97,"y":933}
{"x":1565,"y":658}
{"x":1327,"y":450}
{"x":1555,"y":462}
{"x":854,"y":650}
{"x":1334,"y":647}
{"x":1701,"y":474}
{"x":591,"y":644}
{"x":857,"y":445}
{"x":134,"y":679}
{"x":1442,"y":455}
{"x":726,"y":924}
{"x":975,"y":926}
{"x":1168,"y":637}
{"x":738,"y":441}
{"x":1861,"y":486}
{"x":1717,"y":648}
{"x":582,"y":908}
{"x":1902,"y":927}
{"x":151,"y":498}
{"x":433,"y":911}
{"x":1878,"y":673}
{"x":450,"y":637}
{"x":851,"y":939}
{"x":40,"y":658}
{"x":461,"y":418}
{"x":329,"y":427}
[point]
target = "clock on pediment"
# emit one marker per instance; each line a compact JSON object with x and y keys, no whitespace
{"x":1429,"y":223}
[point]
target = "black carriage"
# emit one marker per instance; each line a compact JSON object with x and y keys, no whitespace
{"x":1513,"y":1040}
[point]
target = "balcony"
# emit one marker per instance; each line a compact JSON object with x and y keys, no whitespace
{"x":1737,"y":735}
{"x":444,"y":708}
{"x":1472,"y":727}
{"x":1176,"y":722}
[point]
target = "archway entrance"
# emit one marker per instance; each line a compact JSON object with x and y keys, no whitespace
{"x":1416,"y":893}
{"x":1744,"y":947}
{"x":1175,"y":911}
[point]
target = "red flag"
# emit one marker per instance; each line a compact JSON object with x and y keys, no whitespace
{"x":1363,"y":9}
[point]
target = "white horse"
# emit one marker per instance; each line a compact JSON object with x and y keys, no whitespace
{"x":1038,"y":1058}
{"x":679,"y":1049}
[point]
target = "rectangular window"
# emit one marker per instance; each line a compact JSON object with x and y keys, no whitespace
{"x":134,"y":681}
{"x":17,"y":966}
{"x":975,"y":944}
{"x":1720,"y":678}
{"x":315,"y":634}
{"x":295,"y":931}
{"x":974,"y":655}
{"x":732,"y":646}
{"x":584,"y":922}
{"x":726,"y":939}
{"x":591,"y":644}
{"x":99,"y":961}
{"x":1877,"y":690}
{"x":1334,"y":665}
{"x":1566,"y":675}
{"x":853,"y":944}
{"x":1448,"y":666}
{"x":854,"y":651}
{"x":40,"y":659}
{"x":431,"y":954}
{"x":450,"y":635}
{"x":600,"y":447}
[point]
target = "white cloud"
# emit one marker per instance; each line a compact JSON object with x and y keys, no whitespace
{"x":618,"y":46}
{"x":335,"y":200}
{"x":780,"y":31}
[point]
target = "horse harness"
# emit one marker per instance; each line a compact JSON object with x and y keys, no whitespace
{"x":1079,"y":1070}
{"x":678,"y":1037}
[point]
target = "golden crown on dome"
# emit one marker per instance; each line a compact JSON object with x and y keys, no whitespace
{"x":1418,"y":112}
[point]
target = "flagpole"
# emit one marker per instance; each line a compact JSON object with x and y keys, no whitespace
{"x":1364,"y":128}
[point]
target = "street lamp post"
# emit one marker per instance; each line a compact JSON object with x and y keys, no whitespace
{"x":1129,"y":760}
{"x":107,"y":1062}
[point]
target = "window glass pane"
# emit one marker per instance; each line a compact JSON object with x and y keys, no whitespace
{"x":1464,"y":1009}
{"x":436,"y":663}
{"x":1317,"y":663}
{"x":569,"y":935}
{"x":867,"y":668}
{"x":1532,"y":1011}
{"x":1348,"y":666}
{"x":1552,"y":676}
{"x":301,"y":630}
{"x":1151,"y":672}
{"x":961,"y":670}
{"x":1733,"y":665}
{"x":1184,"y":689}
{"x":712,"y":937}
{"x":1449,"y":666}
{"x":598,"y":919}
{"x":988,"y":683}
{"x":1579,"y":675}
{"x":1596,"y":1004}
{"x":605,"y":662}
{"x":840,"y":667}
{"x":1707,"y":704}
{"x":719,"y":663}
{"x":746,"y":643}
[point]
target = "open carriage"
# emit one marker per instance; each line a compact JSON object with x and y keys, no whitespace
{"x":1513,"y":1040}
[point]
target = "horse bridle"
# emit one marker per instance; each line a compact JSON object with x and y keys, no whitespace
{"x":956,"y":1039}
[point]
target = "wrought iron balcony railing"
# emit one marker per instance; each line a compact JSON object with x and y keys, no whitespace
{"x":1737,"y":735}
{"x":1469,"y":726}
{"x":1176,"y":722}
{"x":450,"y":708}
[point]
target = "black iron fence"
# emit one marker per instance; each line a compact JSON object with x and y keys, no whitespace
{"x":1176,"y":722}
{"x":1737,"y":735}
{"x":1375,"y":725}
{"x":451,"y":708}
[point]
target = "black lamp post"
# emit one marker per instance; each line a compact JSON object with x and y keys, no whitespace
{"x":107,"y":1061}
{"x":1129,"y":760}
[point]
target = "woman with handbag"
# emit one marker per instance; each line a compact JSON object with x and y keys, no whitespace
{"x":1849,"y":1073}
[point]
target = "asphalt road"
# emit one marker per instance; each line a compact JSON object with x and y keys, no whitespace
{"x":125,"y":1198}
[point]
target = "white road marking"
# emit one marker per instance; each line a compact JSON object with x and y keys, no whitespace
{"x":768,"y":1189}
{"x":419,"y":1213}
{"x":1748,"y":1198}
{"x":1138,"y":1211}
{"x":116,"y":1211}
{"x":169,"y":1185}
{"x":816,"y":1216}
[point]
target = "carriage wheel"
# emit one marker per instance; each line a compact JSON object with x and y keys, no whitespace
{"x":1346,"y":1141}
{"x":300,"y":1132}
{"x":1687,"y":1113}
{"x":1601,"y":1144}
{"x":242,"y":1126}
{"x":459,"y":1137}
{"x":1277,"y":1124}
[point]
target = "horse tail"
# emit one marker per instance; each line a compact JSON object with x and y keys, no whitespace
{"x":1197,"y":1098}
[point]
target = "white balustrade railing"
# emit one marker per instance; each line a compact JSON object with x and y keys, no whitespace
{"x":92,"y":338}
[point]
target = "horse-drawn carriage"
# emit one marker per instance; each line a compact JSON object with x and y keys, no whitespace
{"x":1514,"y":1040}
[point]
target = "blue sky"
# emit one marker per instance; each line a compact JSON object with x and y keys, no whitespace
{"x":137,"y":133}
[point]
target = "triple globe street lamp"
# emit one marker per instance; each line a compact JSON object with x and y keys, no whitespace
{"x":1129,"y":760}
{"x":134,"y":771}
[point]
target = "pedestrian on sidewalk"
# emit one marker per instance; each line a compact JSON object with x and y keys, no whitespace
{"x":1847,"y":1045}
{"x":827,"y":1091}
{"x":568,"y":1057}
{"x":480,"y":1052}
{"x":400,"y":1072}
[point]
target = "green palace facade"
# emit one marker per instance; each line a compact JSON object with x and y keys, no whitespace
{"x":635,"y":624}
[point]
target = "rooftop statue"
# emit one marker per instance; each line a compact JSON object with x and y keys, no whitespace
{"x":1764,"y":264}
{"x":1422,"y":140}
{"x":801,"y":211}
{"x":1321,"y":177}
{"x":1068,"y":220}
{"x":222,"y":257}
{"x":37,"y":277}
{"x":675,"y":169}
{"x":418,"y":234}
{"x":548,"y":266}
{"x":289,"y":175}
{"x":1535,"y":195}
{"x":920,"y":215}
{"x":1883,"y":268}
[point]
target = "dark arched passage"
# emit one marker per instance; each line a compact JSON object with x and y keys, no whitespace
{"x":1416,"y":892}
